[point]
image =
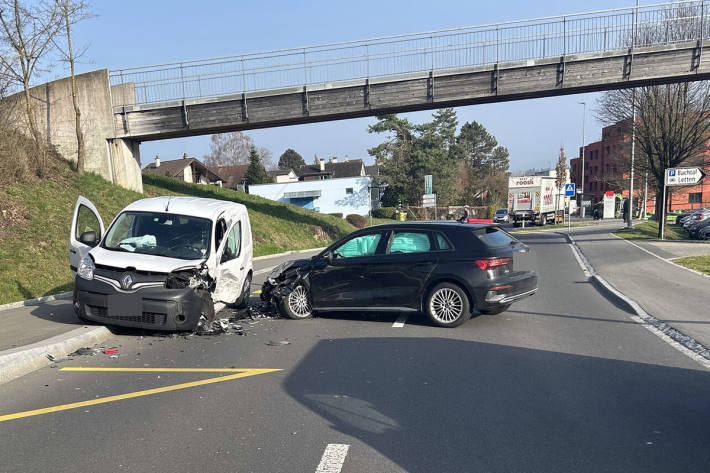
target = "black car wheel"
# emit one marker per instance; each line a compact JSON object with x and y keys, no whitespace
{"x":447,"y":305}
{"x":495,"y":310}
{"x":243,"y":300}
{"x":296,"y":305}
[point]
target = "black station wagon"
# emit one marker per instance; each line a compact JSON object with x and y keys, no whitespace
{"x":446,"y":269}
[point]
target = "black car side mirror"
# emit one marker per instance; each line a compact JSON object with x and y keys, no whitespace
{"x":89,"y":238}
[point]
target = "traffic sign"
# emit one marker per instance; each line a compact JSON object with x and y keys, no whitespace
{"x":429,"y":200}
{"x":684,"y":176}
{"x":569,"y":189}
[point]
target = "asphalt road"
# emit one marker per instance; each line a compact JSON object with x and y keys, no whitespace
{"x":562,"y":382}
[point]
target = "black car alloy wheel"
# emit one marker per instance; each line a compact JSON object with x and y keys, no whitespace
{"x":296,"y":305}
{"x":447,"y":305}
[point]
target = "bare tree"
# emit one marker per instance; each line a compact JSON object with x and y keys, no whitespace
{"x":228,"y":149}
{"x":71,"y":12}
{"x":28,"y":29}
{"x":267,"y":158}
{"x":673,"y":121}
{"x":561,"y":175}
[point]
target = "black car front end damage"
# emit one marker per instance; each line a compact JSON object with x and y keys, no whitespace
{"x":149,"y":300}
{"x":283,"y":279}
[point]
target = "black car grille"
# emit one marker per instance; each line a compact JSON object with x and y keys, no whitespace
{"x":151,"y":318}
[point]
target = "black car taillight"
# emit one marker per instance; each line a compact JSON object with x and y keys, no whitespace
{"x":491,"y":263}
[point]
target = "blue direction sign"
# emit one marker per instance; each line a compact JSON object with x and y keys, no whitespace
{"x":569,"y":189}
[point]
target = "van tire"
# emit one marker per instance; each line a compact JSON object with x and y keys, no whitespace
{"x":243,"y":301}
{"x":78,"y":310}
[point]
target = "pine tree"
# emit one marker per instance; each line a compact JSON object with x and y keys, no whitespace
{"x":291,"y":159}
{"x":256,"y":174}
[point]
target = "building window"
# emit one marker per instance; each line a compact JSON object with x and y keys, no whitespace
{"x":348,"y":190}
{"x":608,"y":151}
{"x":695,"y":198}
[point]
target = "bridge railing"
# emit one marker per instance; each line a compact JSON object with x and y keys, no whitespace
{"x":436,"y":51}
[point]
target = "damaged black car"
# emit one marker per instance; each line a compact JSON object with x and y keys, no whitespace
{"x":444,"y":269}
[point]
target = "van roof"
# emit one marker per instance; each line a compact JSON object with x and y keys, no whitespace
{"x":191,"y":206}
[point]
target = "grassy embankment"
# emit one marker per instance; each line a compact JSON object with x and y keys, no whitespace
{"x":649,"y":231}
{"x":35,"y":220}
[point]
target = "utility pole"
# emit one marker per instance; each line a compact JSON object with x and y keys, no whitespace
{"x":584,"y":116}
{"x":633,"y":149}
{"x":645,"y":194}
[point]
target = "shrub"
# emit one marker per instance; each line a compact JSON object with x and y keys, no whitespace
{"x":384,"y":212}
{"x":337,"y":214}
{"x":491,"y":211}
{"x":356,"y":220}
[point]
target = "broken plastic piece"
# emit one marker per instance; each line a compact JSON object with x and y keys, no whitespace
{"x":84,"y":351}
{"x":110,"y":351}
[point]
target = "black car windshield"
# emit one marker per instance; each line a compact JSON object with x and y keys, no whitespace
{"x":162,"y":234}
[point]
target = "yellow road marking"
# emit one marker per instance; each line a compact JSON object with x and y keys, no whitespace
{"x":102,"y":400}
{"x":257,"y":292}
{"x":159,"y":370}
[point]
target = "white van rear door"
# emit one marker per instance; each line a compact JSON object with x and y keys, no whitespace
{"x":231,"y":264}
{"x":86,"y":218}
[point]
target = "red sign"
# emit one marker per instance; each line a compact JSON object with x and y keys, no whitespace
{"x":480,"y":220}
{"x":609,"y":193}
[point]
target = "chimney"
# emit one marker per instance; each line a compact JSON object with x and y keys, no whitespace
{"x":184,"y":156}
{"x":322,"y":165}
{"x":334,"y":159}
{"x":157,"y":161}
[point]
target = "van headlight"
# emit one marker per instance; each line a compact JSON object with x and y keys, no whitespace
{"x":86,"y":268}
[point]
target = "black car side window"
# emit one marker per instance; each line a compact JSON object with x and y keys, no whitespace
{"x":409,"y":242}
{"x":442,"y":242}
{"x":365,"y":245}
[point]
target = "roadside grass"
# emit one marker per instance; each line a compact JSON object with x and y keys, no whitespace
{"x":649,"y":231}
{"x":698,"y":263}
{"x":380,"y":221}
{"x":34,"y":258}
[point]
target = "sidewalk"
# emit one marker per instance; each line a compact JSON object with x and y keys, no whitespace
{"x":670,"y":293}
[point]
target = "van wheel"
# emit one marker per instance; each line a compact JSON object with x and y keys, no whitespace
{"x":297,"y":304}
{"x":78,"y":310}
{"x":495,"y":310}
{"x":447,"y":305}
{"x":243,"y":300}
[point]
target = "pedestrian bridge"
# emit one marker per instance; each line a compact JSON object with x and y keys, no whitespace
{"x":461,"y":66}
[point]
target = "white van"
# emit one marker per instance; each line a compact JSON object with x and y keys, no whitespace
{"x":163,"y":262}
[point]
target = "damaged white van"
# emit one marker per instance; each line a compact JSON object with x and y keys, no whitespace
{"x":164,"y":262}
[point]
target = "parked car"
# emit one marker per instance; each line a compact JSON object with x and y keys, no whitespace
{"x":681,"y":216}
{"x":694,"y":229}
{"x":501,"y":216}
{"x":698,"y":215}
{"x":445,"y":269}
{"x":704,"y":233}
{"x":163,"y":264}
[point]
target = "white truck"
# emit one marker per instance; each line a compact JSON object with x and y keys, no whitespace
{"x":534,"y":200}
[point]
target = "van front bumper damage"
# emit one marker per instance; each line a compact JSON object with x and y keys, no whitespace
{"x":156,"y":308}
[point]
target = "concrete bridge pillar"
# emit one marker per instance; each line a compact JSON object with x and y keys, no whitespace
{"x":125,"y":160}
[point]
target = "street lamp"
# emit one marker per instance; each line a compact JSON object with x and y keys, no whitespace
{"x":584,"y":116}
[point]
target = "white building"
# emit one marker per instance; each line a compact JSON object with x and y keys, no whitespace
{"x":346,"y":195}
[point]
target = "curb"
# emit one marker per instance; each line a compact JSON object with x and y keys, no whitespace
{"x":67,"y":295}
{"x":674,"y":337}
{"x":22,"y":360}
{"x":36,"y":301}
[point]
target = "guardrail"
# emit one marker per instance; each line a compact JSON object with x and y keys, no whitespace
{"x":435,"y":51}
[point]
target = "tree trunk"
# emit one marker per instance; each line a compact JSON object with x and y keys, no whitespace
{"x":77,"y":111}
{"x":658,"y":214}
{"x":37,"y":138}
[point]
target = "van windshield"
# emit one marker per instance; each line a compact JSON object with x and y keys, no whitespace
{"x":161,"y":234}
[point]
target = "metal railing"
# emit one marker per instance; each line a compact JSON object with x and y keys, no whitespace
{"x":437,"y":51}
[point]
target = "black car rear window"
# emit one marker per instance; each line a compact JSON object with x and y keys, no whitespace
{"x":493,"y":237}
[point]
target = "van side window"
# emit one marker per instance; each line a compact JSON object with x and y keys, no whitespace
{"x":86,"y":222}
{"x":234,"y":242}
{"x":219,"y":231}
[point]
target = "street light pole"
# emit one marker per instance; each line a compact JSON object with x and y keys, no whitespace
{"x":633,"y":149}
{"x":584,"y":116}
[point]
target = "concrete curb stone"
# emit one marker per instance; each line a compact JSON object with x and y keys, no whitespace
{"x":16,"y":362}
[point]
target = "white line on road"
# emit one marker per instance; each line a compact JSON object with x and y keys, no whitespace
{"x":399,"y":323}
{"x":264,"y":270}
{"x":582,"y":266}
{"x":333,"y":458}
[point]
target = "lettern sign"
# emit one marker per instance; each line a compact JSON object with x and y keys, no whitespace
{"x":684,"y":176}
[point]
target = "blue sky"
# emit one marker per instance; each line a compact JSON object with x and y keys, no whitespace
{"x":135,"y":33}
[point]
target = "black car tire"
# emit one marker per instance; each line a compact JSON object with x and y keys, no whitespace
{"x":447,"y":305}
{"x":243,"y":301}
{"x":297,"y":304}
{"x":495,"y":310}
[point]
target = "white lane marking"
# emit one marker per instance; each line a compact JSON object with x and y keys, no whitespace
{"x":333,"y":458}
{"x":579,"y":260}
{"x":662,"y":258}
{"x":399,"y":323}
{"x":264,"y":270}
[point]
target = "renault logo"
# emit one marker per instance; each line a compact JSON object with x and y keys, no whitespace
{"x":126,"y":281}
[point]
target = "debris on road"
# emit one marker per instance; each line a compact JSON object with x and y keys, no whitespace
{"x":86,"y":351}
{"x":272,"y":343}
{"x":110,"y":351}
{"x":218,"y":326}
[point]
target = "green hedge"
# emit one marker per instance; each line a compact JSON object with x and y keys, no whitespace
{"x":384,"y":212}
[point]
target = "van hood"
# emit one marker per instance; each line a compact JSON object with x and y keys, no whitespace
{"x":141,"y":262}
